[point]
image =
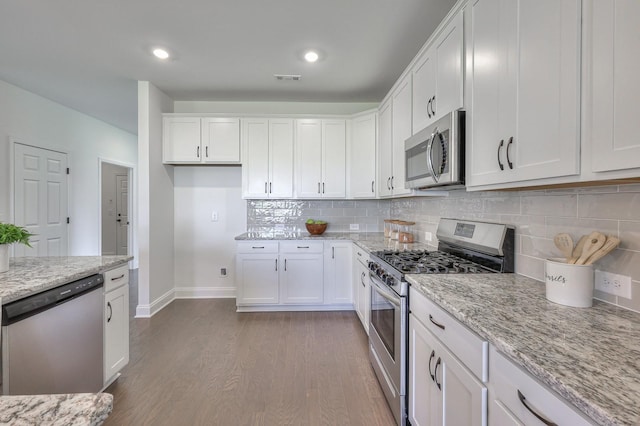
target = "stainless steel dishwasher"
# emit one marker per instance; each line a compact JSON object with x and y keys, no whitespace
{"x":52,"y":341}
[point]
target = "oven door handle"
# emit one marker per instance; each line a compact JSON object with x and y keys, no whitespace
{"x":393,"y":299}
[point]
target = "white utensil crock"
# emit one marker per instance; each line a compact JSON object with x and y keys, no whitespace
{"x":570,"y":285}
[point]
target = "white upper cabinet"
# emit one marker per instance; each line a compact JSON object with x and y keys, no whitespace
{"x":612,"y":88}
{"x":194,"y":140}
{"x":438,"y":77}
{"x":320,"y":158}
{"x":384,"y":150}
{"x":267,"y":171}
{"x":362,"y":158}
{"x":401,"y":130}
{"x":524,"y":79}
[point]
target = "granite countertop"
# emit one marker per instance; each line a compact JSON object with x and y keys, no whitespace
{"x":370,"y":241}
{"x":82,"y":409}
{"x":590,"y":356}
{"x":30,"y":275}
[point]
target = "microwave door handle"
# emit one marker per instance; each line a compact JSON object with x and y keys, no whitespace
{"x":429,"y":155}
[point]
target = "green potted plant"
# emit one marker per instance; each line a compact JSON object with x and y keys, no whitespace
{"x":10,"y":234}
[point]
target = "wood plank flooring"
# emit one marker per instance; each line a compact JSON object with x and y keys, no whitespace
{"x":198,"y":362}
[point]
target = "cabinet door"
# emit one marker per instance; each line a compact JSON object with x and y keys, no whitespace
{"x":362,"y":294}
{"x":337,"y":273}
{"x":425,"y":399}
{"x":221,"y":140}
{"x":257,"y":276}
{"x":493,"y":44}
{"x":181,"y":140}
{"x":116,"y":331}
{"x":309,"y":158}
{"x":363,"y":157}
{"x":255,"y":167}
{"x":281,"y":158}
{"x":500,"y":415}
{"x":613,"y":84}
{"x":401,"y":130}
{"x":449,"y":77}
{"x":385,"y":151}
{"x":301,"y":279}
{"x":464,"y":396}
{"x":424,"y":89}
{"x":334,"y":159}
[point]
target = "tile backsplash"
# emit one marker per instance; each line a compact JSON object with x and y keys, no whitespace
{"x":537,"y":216}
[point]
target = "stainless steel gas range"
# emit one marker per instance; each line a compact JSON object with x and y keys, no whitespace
{"x":465,"y":247}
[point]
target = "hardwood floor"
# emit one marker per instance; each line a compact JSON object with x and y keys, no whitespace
{"x":198,"y":362}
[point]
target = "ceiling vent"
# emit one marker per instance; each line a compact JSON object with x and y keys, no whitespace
{"x":288,"y":77}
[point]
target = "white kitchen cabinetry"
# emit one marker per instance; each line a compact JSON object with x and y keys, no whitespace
{"x":518,"y":399}
{"x":438,"y":77}
{"x":195,"y":140}
{"x":338,"y":288}
{"x":257,"y":273}
{"x":612,"y":88}
{"x":267,"y":170}
{"x":446,"y":364}
{"x":361,"y":285}
{"x":362,"y":158}
{"x":321,"y":158}
{"x":524,"y":78}
{"x":301,"y":276}
{"x":116,"y":322}
{"x":385,"y":150}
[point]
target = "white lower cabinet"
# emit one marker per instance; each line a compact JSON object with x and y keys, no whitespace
{"x":442,"y":389}
{"x":337,"y":272}
{"x":361,"y":286}
{"x":519,"y":399}
{"x":301,"y":279}
{"x":116,"y":322}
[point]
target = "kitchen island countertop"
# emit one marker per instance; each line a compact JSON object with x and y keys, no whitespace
{"x":82,"y":409}
{"x":31,"y":275}
{"x":590,"y":356}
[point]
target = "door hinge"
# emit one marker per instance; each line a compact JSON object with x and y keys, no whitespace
{"x":68,"y":221}
{"x":67,"y":170}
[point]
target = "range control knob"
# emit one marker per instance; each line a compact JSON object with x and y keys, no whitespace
{"x":389,"y":280}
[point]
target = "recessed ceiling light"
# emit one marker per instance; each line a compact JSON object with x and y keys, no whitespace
{"x":311,"y":56}
{"x":160,"y":53}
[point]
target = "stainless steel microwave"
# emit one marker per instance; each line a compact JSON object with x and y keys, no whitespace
{"x":435,"y":155}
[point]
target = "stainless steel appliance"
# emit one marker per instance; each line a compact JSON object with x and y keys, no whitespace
{"x":435,"y":155}
{"x":52,"y":341}
{"x":465,"y":247}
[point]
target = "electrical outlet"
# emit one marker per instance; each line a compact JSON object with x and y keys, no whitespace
{"x":223,"y":272}
{"x":214,"y":216}
{"x":428,"y":236}
{"x":619,"y":285}
{"x":354,"y":227}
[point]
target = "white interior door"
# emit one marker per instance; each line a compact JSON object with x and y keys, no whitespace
{"x":40,"y":200}
{"x":122,"y":208}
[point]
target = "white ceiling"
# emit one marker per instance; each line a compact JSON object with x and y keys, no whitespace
{"x":88,"y":54}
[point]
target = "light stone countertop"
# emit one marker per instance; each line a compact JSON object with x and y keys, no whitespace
{"x":590,"y":356}
{"x":31,"y":275}
{"x":81,"y":409}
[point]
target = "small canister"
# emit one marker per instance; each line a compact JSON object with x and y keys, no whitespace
{"x":387,"y":228}
{"x":395,"y":229}
{"x":405,"y":234}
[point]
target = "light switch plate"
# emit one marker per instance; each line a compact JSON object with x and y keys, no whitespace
{"x":618,"y":285}
{"x":214,"y":216}
{"x":354,"y":227}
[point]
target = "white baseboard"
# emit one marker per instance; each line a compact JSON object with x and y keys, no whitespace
{"x":295,"y":308}
{"x":205,"y":292}
{"x":147,"y":311}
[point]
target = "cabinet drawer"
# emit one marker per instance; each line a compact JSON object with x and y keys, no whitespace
{"x":466,"y":345}
{"x":361,"y":254}
{"x":114,"y":278}
{"x":258,"y":247}
{"x":301,"y":247}
{"x":508,"y":380}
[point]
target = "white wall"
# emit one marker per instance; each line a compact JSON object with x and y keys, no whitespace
{"x":272,"y":107}
{"x":34,"y":120}
{"x":109,"y":196}
{"x":202,"y":246}
{"x":155,"y":204}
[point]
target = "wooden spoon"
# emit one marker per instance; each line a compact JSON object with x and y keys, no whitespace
{"x":564,"y":242}
{"x":594,"y":242}
{"x":609,"y":245}
{"x":577,"y":251}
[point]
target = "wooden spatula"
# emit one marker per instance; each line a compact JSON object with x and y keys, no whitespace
{"x":564,"y":242}
{"x":609,"y":245}
{"x":577,"y":251}
{"x":594,"y":242}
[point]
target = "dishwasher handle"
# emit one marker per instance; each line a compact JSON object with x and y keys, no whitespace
{"x":33,"y":305}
